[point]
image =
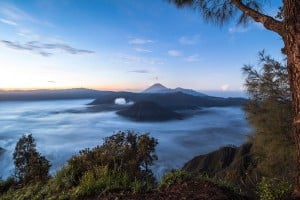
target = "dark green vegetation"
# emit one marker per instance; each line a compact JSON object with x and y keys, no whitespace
{"x":264,"y":167}
{"x":120,"y":164}
{"x":30,"y":166}
{"x":270,"y":112}
{"x":149,"y":111}
{"x":226,"y":161}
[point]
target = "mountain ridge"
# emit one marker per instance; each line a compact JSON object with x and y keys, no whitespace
{"x":159,"y":88}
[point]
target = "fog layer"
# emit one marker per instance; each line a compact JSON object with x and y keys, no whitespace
{"x":60,"y":134}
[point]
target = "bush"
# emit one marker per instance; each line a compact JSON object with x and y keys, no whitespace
{"x":273,"y":189}
{"x":101,"y":180}
{"x":120,"y":164}
{"x":6,"y":185}
{"x":174,"y":177}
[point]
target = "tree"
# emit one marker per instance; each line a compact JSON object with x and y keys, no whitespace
{"x":286,"y":24}
{"x":270,"y":113}
{"x":30,"y":166}
{"x":124,"y":152}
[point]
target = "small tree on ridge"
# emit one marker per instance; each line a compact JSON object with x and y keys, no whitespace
{"x":30,"y":166}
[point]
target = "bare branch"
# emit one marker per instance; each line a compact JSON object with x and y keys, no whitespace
{"x":267,"y":21}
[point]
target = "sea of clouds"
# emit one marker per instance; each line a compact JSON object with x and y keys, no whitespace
{"x":59,"y":134}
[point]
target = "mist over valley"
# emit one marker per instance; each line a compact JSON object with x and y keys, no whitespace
{"x":63,"y":127}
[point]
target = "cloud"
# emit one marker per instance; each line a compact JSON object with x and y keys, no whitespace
{"x":140,"y":41}
{"x":51,"y":81}
{"x":11,"y":12}
{"x":22,"y":21}
{"x":225,"y":87}
{"x":189,"y":40}
{"x":143,"y":50}
{"x":130,"y":59}
{"x":192,"y":58}
{"x":174,"y":53}
{"x":140,"y":71}
{"x":45,"y":49}
{"x":8,"y":22}
{"x":66,"y":48}
{"x":238,"y":29}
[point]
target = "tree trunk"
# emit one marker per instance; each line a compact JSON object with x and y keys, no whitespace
{"x":292,"y":45}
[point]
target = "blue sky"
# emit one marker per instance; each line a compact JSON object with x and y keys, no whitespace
{"x":124,"y":45}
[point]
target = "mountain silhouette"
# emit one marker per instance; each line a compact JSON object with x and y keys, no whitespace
{"x":159,"y":88}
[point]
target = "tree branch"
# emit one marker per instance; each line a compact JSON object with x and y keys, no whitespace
{"x":268,"y":22}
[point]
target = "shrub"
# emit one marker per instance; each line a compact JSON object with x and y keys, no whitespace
{"x":6,"y":184}
{"x":122,"y":163}
{"x":272,"y":189}
{"x":173,"y":177}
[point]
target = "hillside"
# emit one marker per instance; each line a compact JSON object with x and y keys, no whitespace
{"x":148,"y":111}
{"x":172,"y":101}
{"x":237,"y":159}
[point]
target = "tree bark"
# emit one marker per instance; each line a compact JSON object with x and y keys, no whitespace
{"x":291,"y":39}
{"x":267,"y":21}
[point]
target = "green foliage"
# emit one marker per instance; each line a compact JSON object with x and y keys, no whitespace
{"x":30,"y":166}
{"x":272,"y":189}
{"x":179,"y":176}
{"x":229,"y":185}
{"x":124,"y":152}
{"x":121,"y":163}
{"x":269,"y":112}
{"x":6,"y":184}
{"x":105,"y":181}
{"x":30,"y":191}
{"x":64,"y":179}
{"x":173,"y":177}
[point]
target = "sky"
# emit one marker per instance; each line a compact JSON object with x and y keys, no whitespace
{"x":124,"y":45}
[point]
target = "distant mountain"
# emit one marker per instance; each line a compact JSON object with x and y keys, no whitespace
{"x":189,"y":91}
{"x":33,"y":95}
{"x":172,"y":101}
{"x":159,"y":88}
{"x":149,"y":111}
